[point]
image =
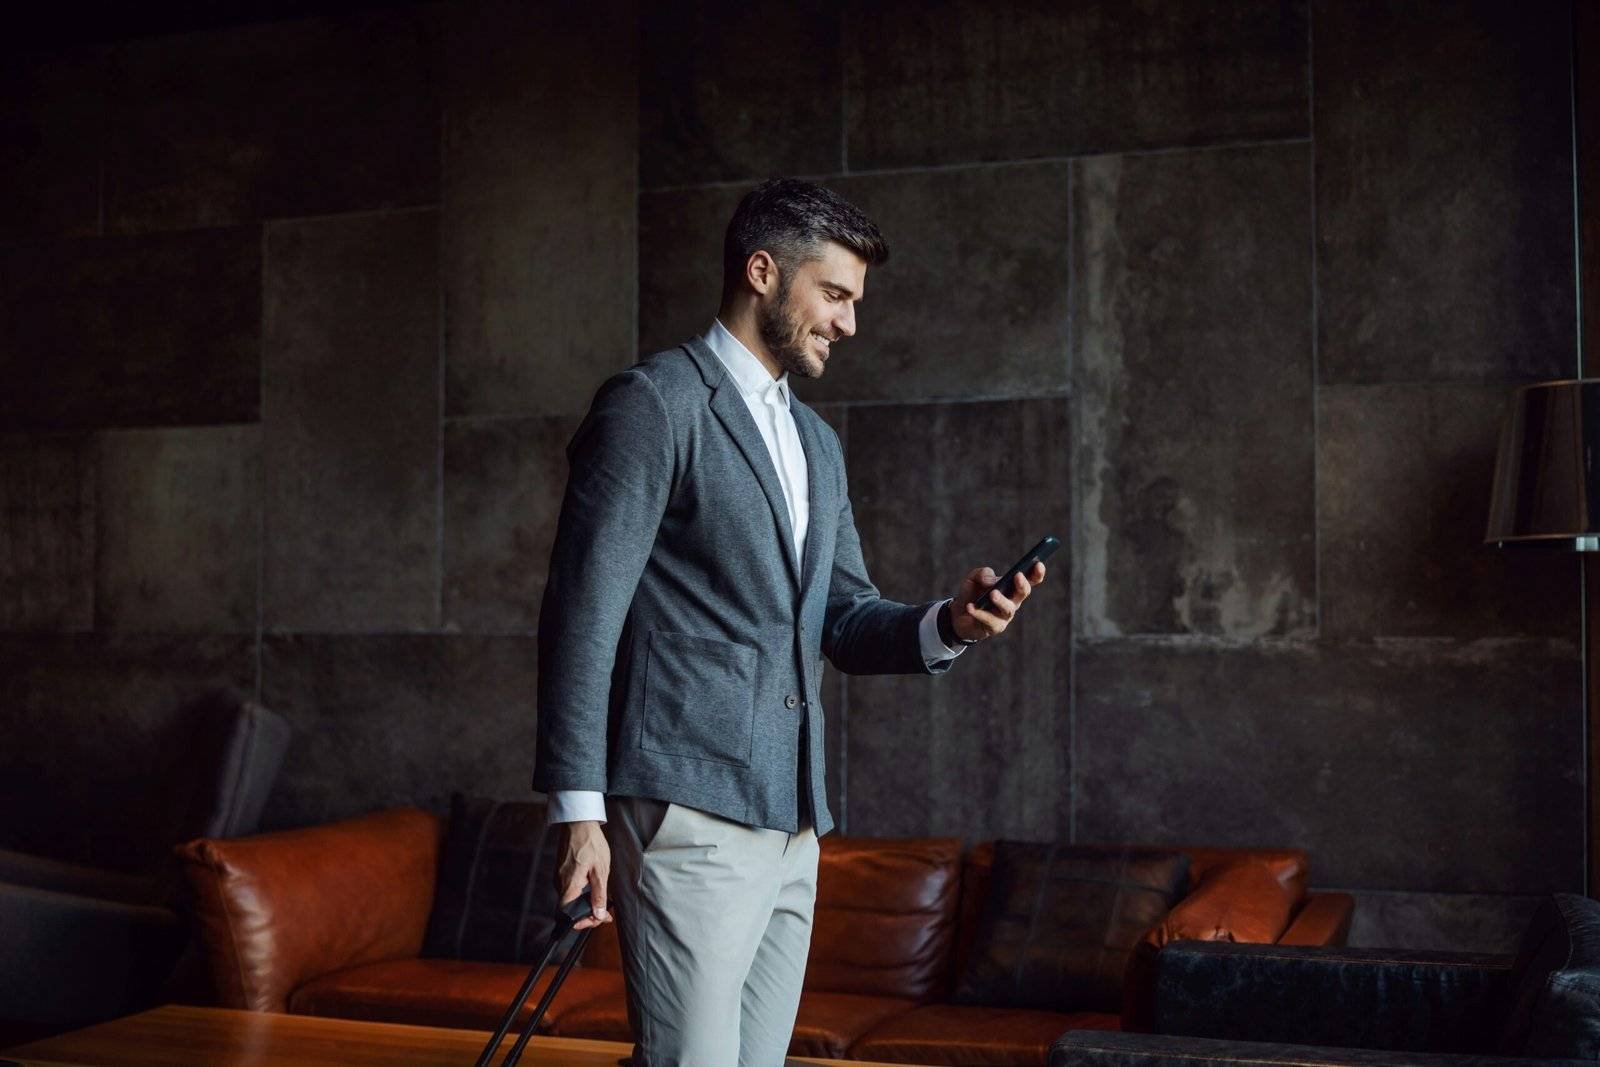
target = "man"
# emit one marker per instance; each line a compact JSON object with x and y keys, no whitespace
{"x":705,"y":559}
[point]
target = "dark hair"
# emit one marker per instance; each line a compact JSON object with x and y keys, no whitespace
{"x":790,"y":219}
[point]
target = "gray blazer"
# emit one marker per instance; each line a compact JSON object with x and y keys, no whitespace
{"x":680,"y":641}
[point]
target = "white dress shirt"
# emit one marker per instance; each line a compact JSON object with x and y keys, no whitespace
{"x":768,"y":400}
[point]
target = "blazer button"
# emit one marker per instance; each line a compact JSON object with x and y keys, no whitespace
{"x":791,"y":701}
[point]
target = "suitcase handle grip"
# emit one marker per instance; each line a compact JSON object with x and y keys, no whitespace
{"x":576,"y":908}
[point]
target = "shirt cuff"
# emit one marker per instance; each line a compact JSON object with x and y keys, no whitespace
{"x":575,"y":805}
{"x":933,"y":649}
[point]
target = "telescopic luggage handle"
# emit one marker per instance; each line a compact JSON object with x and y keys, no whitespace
{"x":569,"y":914}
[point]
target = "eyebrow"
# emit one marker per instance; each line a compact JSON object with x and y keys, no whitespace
{"x":845,"y":289}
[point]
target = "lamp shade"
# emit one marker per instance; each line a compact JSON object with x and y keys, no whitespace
{"x":1545,"y":490}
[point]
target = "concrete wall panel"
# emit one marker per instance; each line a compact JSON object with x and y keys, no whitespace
{"x":966,"y":80}
{"x":350,"y":430}
{"x":539,"y":233}
{"x":178,"y":515}
{"x":1192,"y":373}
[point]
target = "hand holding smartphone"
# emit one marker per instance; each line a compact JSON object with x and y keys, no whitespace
{"x":1037,"y":554}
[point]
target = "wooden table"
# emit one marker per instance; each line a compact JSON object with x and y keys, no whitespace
{"x":180,"y":1036}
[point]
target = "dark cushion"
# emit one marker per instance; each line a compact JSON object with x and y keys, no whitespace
{"x":1555,"y":1011}
{"x":127,"y":783}
{"x":495,"y":896}
{"x":1059,"y":923}
{"x":248,"y":743}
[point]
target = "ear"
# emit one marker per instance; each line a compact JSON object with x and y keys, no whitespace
{"x":761,"y":271}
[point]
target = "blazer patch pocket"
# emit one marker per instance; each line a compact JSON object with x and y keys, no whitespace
{"x":699,"y":698}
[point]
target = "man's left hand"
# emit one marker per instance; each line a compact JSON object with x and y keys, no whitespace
{"x":974,"y":624}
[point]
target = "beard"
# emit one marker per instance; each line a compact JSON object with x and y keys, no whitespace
{"x":786,"y":338}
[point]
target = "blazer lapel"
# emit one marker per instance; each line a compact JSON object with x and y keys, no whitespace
{"x":734,"y":415}
{"x":819,"y":483}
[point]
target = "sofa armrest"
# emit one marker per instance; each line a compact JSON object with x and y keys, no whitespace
{"x":1325,"y":920}
{"x":42,"y":872}
{"x":1095,"y":1048}
{"x":73,"y":960}
{"x":276,"y":910}
{"x":1243,"y":901}
{"x":1366,"y":998}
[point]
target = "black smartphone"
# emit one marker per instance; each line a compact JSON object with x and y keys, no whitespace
{"x":1040,"y":551}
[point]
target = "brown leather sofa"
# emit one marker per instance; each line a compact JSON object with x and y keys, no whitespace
{"x":329,"y":921}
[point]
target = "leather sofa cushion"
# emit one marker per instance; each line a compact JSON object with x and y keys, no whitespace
{"x":467,"y":994}
{"x":1555,"y":1009}
{"x":971,"y":1034}
{"x":597,"y":1018}
{"x":1060,"y":923}
{"x":1288,"y":865}
{"x":885,"y":915}
{"x":825,"y":1026}
{"x":1233,"y":902}
{"x":495,"y":896}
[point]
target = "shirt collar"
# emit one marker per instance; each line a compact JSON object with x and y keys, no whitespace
{"x":743,"y":367}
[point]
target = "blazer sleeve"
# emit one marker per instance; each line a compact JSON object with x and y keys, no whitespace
{"x":621,"y":465}
{"x":863,"y":633}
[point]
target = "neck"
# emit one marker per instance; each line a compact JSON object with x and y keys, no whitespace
{"x":738,"y":317}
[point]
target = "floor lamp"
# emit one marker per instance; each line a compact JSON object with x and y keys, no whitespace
{"x":1547,"y":495}
{"x":1545,"y":480}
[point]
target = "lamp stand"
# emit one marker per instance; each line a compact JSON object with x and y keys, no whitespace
{"x":1590,"y":578}
{"x":1586,"y":251}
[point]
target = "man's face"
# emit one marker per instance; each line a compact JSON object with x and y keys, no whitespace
{"x":814,"y":306}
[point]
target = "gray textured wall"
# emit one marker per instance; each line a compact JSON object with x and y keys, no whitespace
{"x":296,"y":319}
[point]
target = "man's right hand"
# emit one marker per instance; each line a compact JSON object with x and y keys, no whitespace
{"x":585,"y":860}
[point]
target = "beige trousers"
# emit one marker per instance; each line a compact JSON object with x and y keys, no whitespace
{"x":714,"y":918}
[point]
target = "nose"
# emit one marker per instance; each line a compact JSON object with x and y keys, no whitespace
{"x":845,"y":321}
